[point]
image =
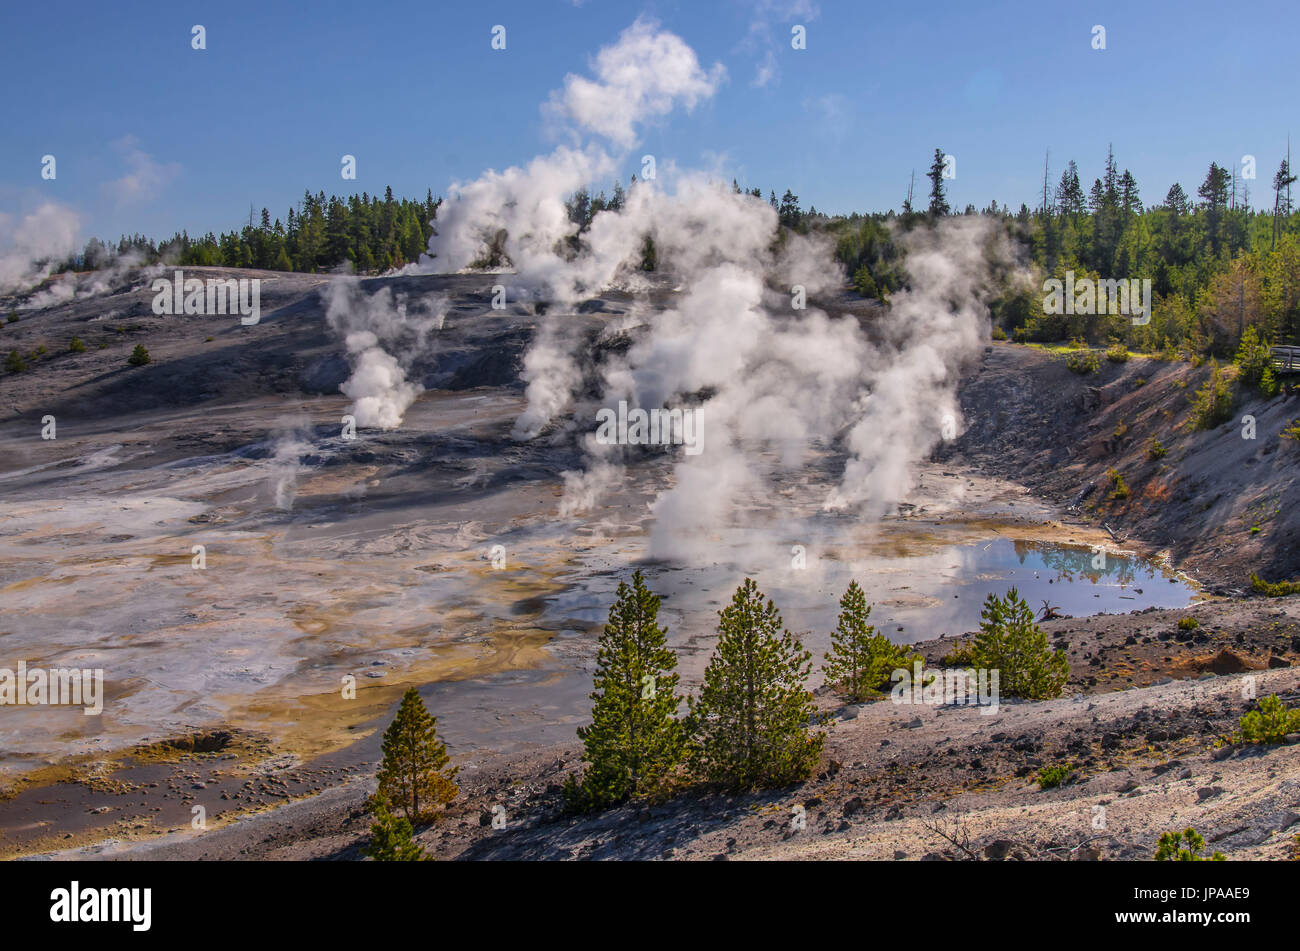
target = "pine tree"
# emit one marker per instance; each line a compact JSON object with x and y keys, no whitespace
{"x":1129,"y":201}
{"x":1069,"y":193}
{"x":414,"y":773}
{"x":1282,"y":183}
{"x":1012,"y":644}
{"x":139,"y":356}
{"x":1215,"y":192}
{"x":938,"y":200}
{"x":634,"y":743}
{"x":391,"y":836}
{"x":1176,"y":199}
{"x":861,"y":660}
{"x":789,"y":212}
{"x":14,"y":362}
{"x":750,"y":724}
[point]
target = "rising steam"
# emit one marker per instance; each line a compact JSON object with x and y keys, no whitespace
{"x":383,"y":337}
{"x":775,"y":384}
{"x":32,"y":246}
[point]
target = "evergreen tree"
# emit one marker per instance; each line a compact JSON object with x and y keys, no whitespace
{"x":1214,"y":191}
{"x":1069,"y":194}
{"x":1097,"y":198}
{"x":1282,"y":183}
{"x":634,"y":743}
{"x":1129,"y":201}
{"x":414,"y":773}
{"x":649,"y":254}
{"x":789,"y":212}
{"x":1255,"y":360}
{"x":391,"y":837}
{"x":139,"y":356}
{"x":1112,"y":179}
{"x":938,"y":200}
{"x":861,"y":660}
{"x":750,"y":724}
{"x":1176,"y":200}
{"x":1011,"y":643}
{"x":14,"y":362}
{"x":579,"y":209}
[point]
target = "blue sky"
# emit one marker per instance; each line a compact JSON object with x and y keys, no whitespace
{"x":152,"y":136}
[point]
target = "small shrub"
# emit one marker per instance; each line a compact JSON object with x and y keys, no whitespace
{"x":1156,"y":449}
{"x":1121,"y":430}
{"x":1255,"y":360}
{"x":391,"y":837}
{"x":1083,"y":362}
{"x":1170,"y":848}
{"x":1119,"y":488}
{"x":1292,"y":431}
{"x":1212,"y":404}
{"x":14,"y":362}
{"x":865,"y":284}
{"x":1117,"y":353}
{"x":1269,"y":384}
{"x":1049,"y":777}
{"x":962,"y":655}
{"x":1188,"y":624}
{"x":76,"y":345}
{"x":139,"y":356}
{"x":1273,"y":589}
{"x":999,"y":333}
{"x":1140,"y":381}
{"x":13,"y":317}
{"x":1270,"y":723}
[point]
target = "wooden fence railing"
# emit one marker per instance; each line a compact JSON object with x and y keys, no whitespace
{"x":1286,"y":359}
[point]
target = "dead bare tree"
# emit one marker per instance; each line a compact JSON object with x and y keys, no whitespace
{"x":957,"y":834}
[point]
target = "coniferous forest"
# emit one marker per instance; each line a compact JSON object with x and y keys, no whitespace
{"x":1217,"y":263}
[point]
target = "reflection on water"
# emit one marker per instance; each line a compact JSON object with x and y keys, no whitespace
{"x":926,"y":595}
{"x":1075,"y":580}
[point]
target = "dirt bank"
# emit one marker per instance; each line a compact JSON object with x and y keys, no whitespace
{"x":1222,"y":505}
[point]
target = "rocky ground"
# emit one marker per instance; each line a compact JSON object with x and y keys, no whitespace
{"x":910,"y":781}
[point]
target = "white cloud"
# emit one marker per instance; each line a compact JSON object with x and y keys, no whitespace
{"x":144,"y":178}
{"x":761,"y":35}
{"x":646,"y":74}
